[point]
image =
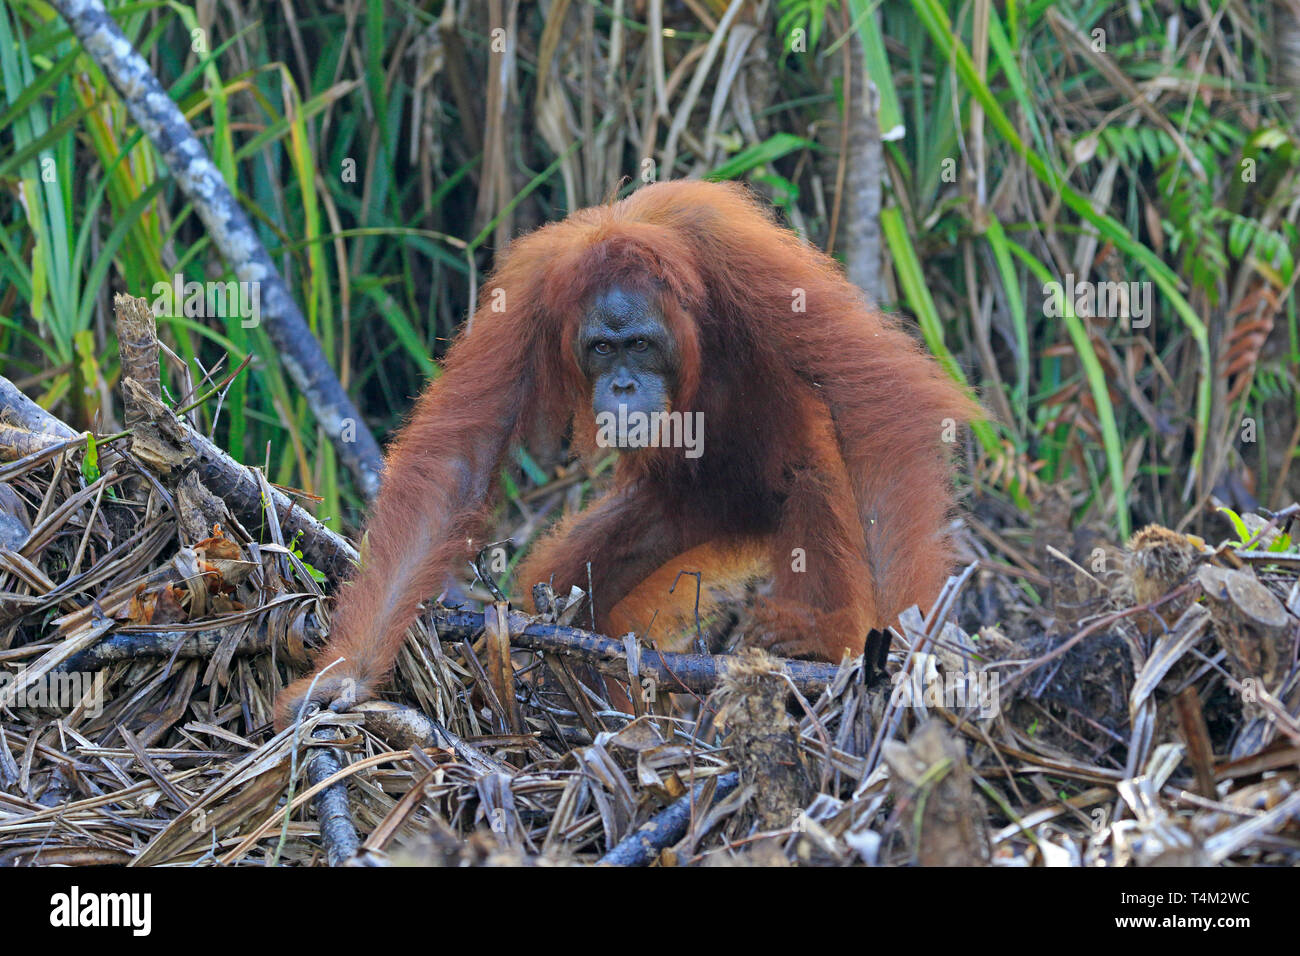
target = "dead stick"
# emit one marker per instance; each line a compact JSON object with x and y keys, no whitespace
{"x":331,"y":804}
{"x":25,"y":427}
{"x":675,"y":673}
{"x":666,"y":827}
{"x":22,"y":413}
{"x":181,"y":644}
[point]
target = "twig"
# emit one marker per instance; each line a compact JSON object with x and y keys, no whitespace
{"x":667,"y":826}
{"x":332,"y":811}
{"x":179,"y":644}
{"x":675,"y":673}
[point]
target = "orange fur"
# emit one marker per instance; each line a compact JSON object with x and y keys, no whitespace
{"x":822,"y":441}
{"x":663,"y":606}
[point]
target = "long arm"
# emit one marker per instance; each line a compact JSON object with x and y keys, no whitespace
{"x":823,"y":602}
{"x":895,"y":413}
{"x":437,"y":478}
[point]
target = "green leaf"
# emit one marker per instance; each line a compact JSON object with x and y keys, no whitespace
{"x":772,"y":148}
{"x":90,"y":461}
{"x":1238,"y":525}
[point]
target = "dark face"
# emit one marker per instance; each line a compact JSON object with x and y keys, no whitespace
{"x":627,"y":354}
